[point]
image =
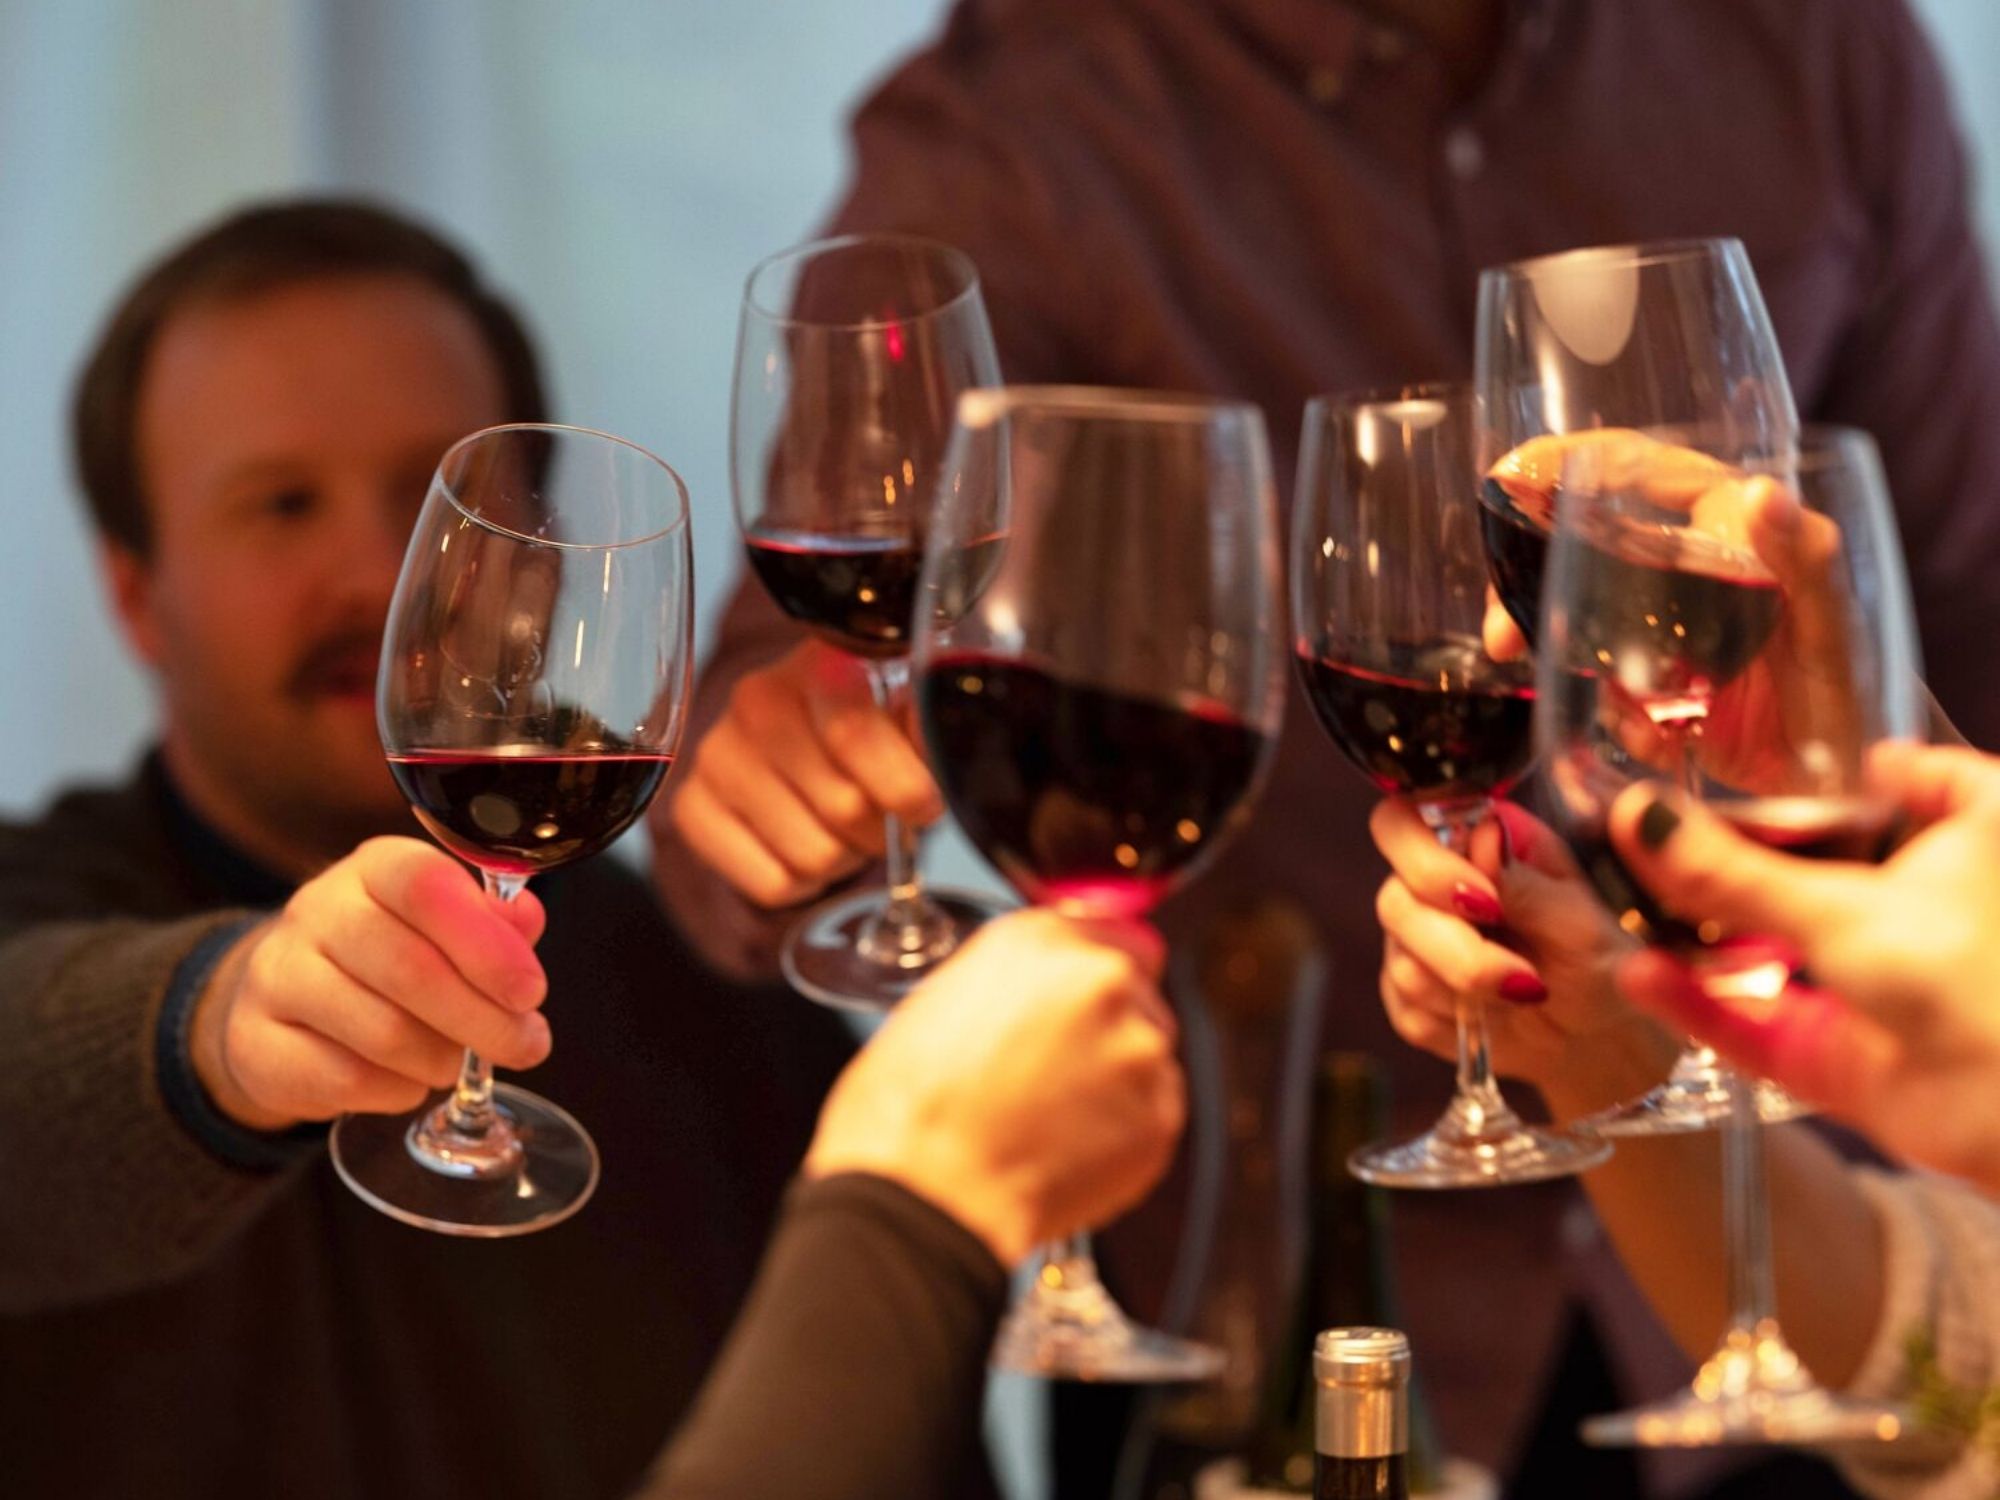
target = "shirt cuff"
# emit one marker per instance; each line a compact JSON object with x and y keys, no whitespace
{"x":181,"y":1087}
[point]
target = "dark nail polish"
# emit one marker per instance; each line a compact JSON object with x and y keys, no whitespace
{"x":1523,"y":988}
{"x":1476,"y":906}
{"x":1657,"y":824}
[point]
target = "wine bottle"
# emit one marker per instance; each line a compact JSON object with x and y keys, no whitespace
{"x":1362,"y":1420}
{"x":1344,"y":1279}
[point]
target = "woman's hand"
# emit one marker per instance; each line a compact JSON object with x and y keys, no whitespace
{"x":1512,"y":926}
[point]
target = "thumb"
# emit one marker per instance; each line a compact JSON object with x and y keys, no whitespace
{"x":1704,"y":871}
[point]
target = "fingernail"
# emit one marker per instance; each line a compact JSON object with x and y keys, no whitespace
{"x":1523,"y":988}
{"x":1657,"y":824}
{"x":535,"y":1033}
{"x":1506,"y":840}
{"x":1475,"y":905}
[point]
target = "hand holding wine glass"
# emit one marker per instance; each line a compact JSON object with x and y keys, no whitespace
{"x":792,"y":788}
{"x":1616,"y":683}
{"x":363,"y":992}
{"x":852,"y":352}
{"x":1895,"y":1033}
{"x":1511,"y":925}
{"x":1023,"y":1122}
{"x":534,"y":671}
{"x":1389,"y":584}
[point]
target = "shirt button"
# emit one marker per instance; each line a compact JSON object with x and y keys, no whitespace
{"x":1464,"y":153}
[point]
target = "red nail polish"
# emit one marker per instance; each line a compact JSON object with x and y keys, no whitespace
{"x":1523,"y":988}
{"x":1476,"y":906}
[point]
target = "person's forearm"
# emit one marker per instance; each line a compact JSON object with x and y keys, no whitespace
{"x":105,"y":1189}
{"x":1660,"y":1199}
{"x":856,"y":1368}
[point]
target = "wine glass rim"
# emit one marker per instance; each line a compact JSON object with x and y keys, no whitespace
{"x":957,"y":258}
{"x":984,"y":406}
{"x":680,"y":487}
{"x":1635,"y":254}
{"x":1327,"y":402}
{"x":1827,"y":445}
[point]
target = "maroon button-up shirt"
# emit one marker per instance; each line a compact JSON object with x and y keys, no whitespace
{"x":1272,"y":198}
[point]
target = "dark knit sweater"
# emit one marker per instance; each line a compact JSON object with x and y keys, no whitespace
{"x":171,"y":1325}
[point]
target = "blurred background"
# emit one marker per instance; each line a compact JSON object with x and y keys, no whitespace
{"x":617,"y":165}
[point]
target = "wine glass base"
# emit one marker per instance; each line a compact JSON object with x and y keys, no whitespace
{"x":823,"y":957}
{"x":1441,"y":1159}
{"x":1108,"y":1347}
{"x":1684,"y":1107}
{"x":555,"y":1177}
{"x":1811,"y":1418}
{"x":1752,"y":1389}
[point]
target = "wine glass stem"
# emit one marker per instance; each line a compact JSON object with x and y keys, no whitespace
{"x":469,"y":1112}
{"x":1477,"y":1092}
{"x":908,"y":910}
{"x":1746,"y":1210}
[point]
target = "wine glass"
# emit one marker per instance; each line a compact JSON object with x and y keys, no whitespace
{"x":1388,"y":590}
{"x":534,"y":669}
{"x":1795,"y":615}
{"x":1100,"y":683}
{"x":849,"y":357}
{"x":1670,"y":338}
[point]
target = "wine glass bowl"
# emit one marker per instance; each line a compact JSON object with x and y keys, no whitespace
{"x":535,"y":667}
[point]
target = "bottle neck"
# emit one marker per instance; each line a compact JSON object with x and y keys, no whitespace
{"x":1361,"y":1478}
{"x":1362,"y":1422}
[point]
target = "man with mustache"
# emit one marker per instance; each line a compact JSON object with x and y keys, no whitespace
{"x":206,"y":965}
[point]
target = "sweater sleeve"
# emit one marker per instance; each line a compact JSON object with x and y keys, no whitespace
{"x":856,"y":1368}
{"x":106,"y":1189}
{"x":1941,"y":1248}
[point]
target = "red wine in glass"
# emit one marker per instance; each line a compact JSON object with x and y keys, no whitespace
{"x":1079,"y":794}
{"x":1672,"y":614}
{"x":1857,"y":829}
{"x":856,"y":590}
{"x":1435,"y":720}
{"x":1517,"y":553}
{"x":520,"y":811}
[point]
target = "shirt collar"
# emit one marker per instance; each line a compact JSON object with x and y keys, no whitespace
{"x":239,"y":879}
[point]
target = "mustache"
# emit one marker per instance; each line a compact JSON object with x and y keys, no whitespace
{"x":333,"y":662}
